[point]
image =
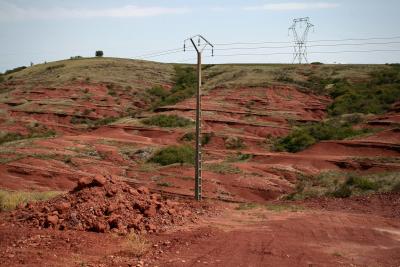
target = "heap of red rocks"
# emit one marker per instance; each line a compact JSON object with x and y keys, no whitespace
{"x":105,"y":204}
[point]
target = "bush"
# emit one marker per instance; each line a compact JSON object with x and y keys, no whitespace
{"x":396,"y":187}
{"x":9,"y":137}
{"x":54,"y":67}
{"x":342,"y":185}
{"x":14,"y":70}
{"x":296,"y":141}
{"x":205,"y":137}
{"x":34,"y":133}
{"x":93,"y":123}
{"x":167,"y":121}
{"x":362,"y":183}
{"x":333,"y":129}
{"x":222,"y":168}
{"x":99,"y":53}
{"x":185,"y":84}
{"x":342,"y":192}
{"x":136,"y":245}
{"x":234,"y":142}
{"x":374,"y":96}
{"x":158,"y":91}
{"x":174,"y":154}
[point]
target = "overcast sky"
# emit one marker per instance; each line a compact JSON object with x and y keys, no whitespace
{"x":47,"y":30}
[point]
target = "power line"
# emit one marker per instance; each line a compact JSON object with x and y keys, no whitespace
{"x":273,"y":47}
{"x":320,"y":45}
{"x":310,"y":41}
{"x":290,"y":53}
{"x":161,"y":54}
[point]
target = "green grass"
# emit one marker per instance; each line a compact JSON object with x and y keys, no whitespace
{"x":246,"y":206}
{"x":333,"y":129}
{"x":6,"y":137}
{"x":191,"y":136}
{"x":158,"y":92}
{"x":9,"y":200}
{"x":234,"y":142}
{"x":164,"y":184}
{"x":283,"y":207}
{"x":174,"y":154}
{"x":222,"y":168}
{"x":270,"y":207}
{"x":184,"y":87}
{"x":344,"y":185}
{"x":167,"y":121}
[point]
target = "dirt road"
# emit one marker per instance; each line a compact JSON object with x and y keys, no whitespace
{"x":261,"y":237}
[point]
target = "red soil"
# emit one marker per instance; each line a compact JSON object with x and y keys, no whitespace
{"x":103,"y":204}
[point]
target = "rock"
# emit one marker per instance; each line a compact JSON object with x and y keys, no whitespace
{"x":151,"y":211}
{"x":63,"y":207}
{"x":99,"y":180}
{"x":52,"y":219}
{"x":171,"y":211}
{"x":143,"y":190}
{"x":111,"y":208}
{"x":133,"y":191}
{"x":84,"y":182}
{"x":99,"y":227}
{"x":155,"y":196}
{"x":151,"y":227}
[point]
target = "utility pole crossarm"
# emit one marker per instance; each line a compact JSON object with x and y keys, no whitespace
{"x":202,"y":43}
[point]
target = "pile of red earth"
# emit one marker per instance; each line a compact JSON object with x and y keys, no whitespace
{"x":103,"y":204}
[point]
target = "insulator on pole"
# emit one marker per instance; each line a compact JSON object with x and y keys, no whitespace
{"x":184,"y":47}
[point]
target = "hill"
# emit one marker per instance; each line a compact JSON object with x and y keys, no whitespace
{"x":72,"y":118}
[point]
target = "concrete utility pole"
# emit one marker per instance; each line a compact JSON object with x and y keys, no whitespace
{"x":300,"y":41}
{"x":202,"y":43}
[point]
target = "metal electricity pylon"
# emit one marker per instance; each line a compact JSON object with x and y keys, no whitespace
{"x":199,"y":43}
{"x":300,"y":40}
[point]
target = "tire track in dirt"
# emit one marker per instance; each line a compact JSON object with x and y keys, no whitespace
{"x":264,"y":238}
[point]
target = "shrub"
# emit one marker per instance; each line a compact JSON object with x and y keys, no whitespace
{"x":305,"y":136}
{"x":54,"y":67}
{"x":342,"y":192}
{"x":396,"y":187}
{"x":185,"y":84}
{"x":14,"y":70}
{"x":158,"y":91}
{"x":362,"y":183}
{"x":205,"y":137}
{"x":9,"y":137}
{"x":234,"y":142}
{"x":99,"y":53}
{"x":296,"y":141}
{"x":164,"y":184}
{"x":10,"y":200}
{"x":34,"y":133}
{"x":174,"y":154}
{"x":374,"y":96}
{"x":137,"y":245}
{"x":167,"y":121}
{"x":222,"y":168}
{"x":342,"y":185}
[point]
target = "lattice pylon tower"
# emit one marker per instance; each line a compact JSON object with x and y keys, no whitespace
{"x":299,"y":30}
